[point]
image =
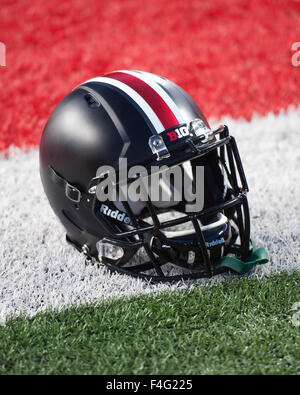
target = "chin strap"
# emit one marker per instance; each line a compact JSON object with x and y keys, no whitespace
{"x":258,"y":256}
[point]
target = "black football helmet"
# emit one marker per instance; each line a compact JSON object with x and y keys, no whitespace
{"x":151,"y":122}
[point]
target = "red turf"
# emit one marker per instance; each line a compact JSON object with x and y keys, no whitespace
{"x":232,"y":56}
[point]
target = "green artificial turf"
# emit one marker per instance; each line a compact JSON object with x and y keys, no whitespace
{"x":243,"y":326}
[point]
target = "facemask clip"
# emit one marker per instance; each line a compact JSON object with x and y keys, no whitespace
{"x":158,"y":147}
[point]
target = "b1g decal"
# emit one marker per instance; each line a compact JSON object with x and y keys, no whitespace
{"x":178,"y":133}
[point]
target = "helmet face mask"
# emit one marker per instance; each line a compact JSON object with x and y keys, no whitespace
{"x":192,"y":241}
{"x":158,"y":239}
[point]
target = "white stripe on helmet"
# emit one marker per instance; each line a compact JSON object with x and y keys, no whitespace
{"x":153,"y":118}
{"x":147,"y":78}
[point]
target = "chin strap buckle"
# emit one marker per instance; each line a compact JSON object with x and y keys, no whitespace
{"x":72,"y":193}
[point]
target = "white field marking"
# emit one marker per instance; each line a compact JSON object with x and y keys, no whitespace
{"x":38,"y":269}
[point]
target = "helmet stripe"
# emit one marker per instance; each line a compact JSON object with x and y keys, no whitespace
{"x":156,"y":99}
{"x":157,"y":126}
{"x":149,"y":79}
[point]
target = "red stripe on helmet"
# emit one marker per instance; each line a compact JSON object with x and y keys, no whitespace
{"x":158,"y":105}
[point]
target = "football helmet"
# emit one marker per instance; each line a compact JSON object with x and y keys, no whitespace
{"x":144,"y":121}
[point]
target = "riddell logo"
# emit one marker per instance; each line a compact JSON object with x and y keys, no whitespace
{"x":116,"y":214}
{"x":178,"y":133}
{"x":214,"y":242}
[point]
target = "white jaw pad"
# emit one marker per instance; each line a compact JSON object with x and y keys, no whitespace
{"x":222,"y":219}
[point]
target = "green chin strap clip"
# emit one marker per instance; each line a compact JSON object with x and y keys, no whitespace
{"x":258,"y":256}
